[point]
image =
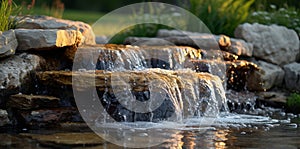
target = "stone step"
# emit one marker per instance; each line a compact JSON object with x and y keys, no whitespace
{"x":185,"y":92}
{"x":109,"y":57}
{"x":30,"y":102}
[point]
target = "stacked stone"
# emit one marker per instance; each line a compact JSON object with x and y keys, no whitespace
{"x":38,"y":43}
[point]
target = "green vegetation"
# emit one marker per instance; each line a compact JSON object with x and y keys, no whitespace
{"x":293,"y":103}
{"x":7,"y":10}
{"x":289,"y":17}
{"x":221,"y":16}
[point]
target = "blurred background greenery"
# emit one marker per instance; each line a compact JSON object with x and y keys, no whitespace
{"x":221,"y":16}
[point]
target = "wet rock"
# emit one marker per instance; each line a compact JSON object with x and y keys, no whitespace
{"x":48,"y":117}
{"x":4,"y":118}
{"x":8,"y":43}
{"x":241,"y":101}
{"x":194,"y":39}
{"x":46,"y":22}
{"x":110,"y":86}
{"x":30,"y":102}
{"x":38,"y":39}
{"x":274,"y":44}
{"x":66,"y":140}
{"x":267,"y":77}
{"x":272,"y":99}
{"x":237,"y":73}
{"x":291,"y":78}
{"x":215,"y":67}
{"x":15,"y":74}
{"x":120,"y":57}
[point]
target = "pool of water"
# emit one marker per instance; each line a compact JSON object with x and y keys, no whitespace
{"x":228,"y":131}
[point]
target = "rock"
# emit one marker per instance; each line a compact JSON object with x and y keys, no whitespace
{"x":240,"y":47}
{"x":66,"y":139}
{"x":15,"y":74}
{"x":274,"y":44}
{"x":272,"y":99}
{"x":240,"y":101}
{"x":4,"y":118}
{"x":43,"y":117}
{"x":196,"y":37}
{"x":215,"y":67}
{"x":8,"y":43}
{"x":209,"y":89}
{"x":233,"y":74}
{"x":38,"y":39}
{"x":267,"y":77}
{"x":30,"y":102}
{"x":292,"y":76}
{"x":46,"y":22}
{"x":238,"y":72}
{"x":120,"y":57}
{"x":101,"y":40}
{"x":146,"y":41}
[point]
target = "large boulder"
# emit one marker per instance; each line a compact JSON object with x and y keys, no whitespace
{"x":46,"y":22}
{"x":38,"y":39}
{"x":8,"y":43}
{"x":15,"y":74}
{"x":274,"y":44}
{"x":268,"y":76}
{"x":292,"y":76}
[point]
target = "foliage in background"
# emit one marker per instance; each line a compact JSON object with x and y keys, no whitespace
{"x":293,"y":103}
{"x":289,"y":17}
{"x":53,"y":8}
{"x":146,"y":29}
{"x":8,"y":8}
{"x":221,"y":16}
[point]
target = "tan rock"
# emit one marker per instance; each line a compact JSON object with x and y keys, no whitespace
{"x":38,"y":39}
{"x":29,"y":102}
{"x":46,"y":22}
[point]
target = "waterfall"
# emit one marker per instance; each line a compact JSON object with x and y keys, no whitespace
{"x":154,"y":83}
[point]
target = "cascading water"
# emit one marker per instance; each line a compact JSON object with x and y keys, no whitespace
{"x":184,"y":92}
{"x":144,"y":93}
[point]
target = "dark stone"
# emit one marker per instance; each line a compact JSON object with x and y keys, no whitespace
{"x":30,"y":102}
{"x":43,"y":117}
{"x":122,"y":114}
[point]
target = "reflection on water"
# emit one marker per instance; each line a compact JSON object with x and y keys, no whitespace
{"x":252,"y":133}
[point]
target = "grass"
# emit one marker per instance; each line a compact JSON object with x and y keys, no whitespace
{"x":293,"y":103}
{"x":221,"y":16}
{"x":6,"y":11}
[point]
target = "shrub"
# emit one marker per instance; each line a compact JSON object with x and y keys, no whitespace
{"x":221,"y":16}
{"x":293,"y":103}
{"x":7,"y":9}
{"x":289,"y":17}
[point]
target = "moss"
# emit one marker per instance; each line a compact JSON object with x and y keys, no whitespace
{"x":293,"y":103}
